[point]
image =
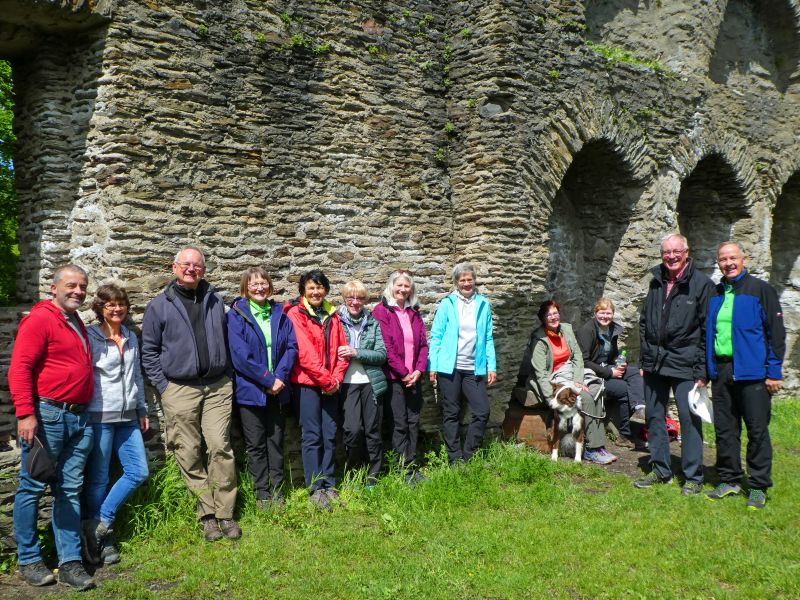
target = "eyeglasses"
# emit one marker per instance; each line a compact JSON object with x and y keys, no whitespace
{"x":189,"y":265}
{"x":672,"y":252}
{"x":257,"y":286}
{"x":553,"y":316}
{"x":112,"y":306}
{"x":355,"y":300}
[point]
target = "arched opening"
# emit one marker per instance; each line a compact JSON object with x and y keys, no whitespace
{"x":786,"y":270}
{"x":591,"y":212}
{"x":710,"y":204}
{"x":757,"y":39}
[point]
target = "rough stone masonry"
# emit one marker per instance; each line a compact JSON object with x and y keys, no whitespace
{"x":553,"y":143}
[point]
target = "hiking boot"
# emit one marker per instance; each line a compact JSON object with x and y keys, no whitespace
{"x":724,"y":489}
{"x":109,"y":552}
{"x":756,"y":500}
{"x":319,"y":500}
{"x":36,"y":574}
{"x":691,"y":489}
{"x":639,"y":416}
{"x":599,"y":456}
{"x":414,"y":477}
{"x":650,"y":480}
{"x":73,"y":574}
{"x":230,"y":529}
{"x":624,"y":442}
{"x":92,"y":533}
{"x":211,"y":530}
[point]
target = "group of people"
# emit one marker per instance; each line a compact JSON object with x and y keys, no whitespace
{"x":79,"y":394}
{"x":691,"y":333}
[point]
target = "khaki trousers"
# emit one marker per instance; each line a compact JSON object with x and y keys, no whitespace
{"x":197,"y":413}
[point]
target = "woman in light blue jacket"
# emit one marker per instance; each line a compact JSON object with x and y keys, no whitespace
{"x":462,"y":361}
{"x":118,"y":414}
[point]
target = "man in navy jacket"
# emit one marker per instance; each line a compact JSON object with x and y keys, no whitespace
{"x":185,"y":356}
{"x":745,"y":344}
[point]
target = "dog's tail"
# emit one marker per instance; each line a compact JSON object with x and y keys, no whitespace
{"x":567,"y":445}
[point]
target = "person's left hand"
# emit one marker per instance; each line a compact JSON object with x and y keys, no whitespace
{"x":144,"y":423}
{"x":774,"y":385}
{"x":581,"y":387}
{"x":491,"y":378}
{"x":411,"y":379}
{"x":701,"y":383}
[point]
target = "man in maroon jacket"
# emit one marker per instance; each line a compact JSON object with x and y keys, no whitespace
{"x":51,"y":385}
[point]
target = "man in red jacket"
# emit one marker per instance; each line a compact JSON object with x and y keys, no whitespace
{"x":51,"y":385}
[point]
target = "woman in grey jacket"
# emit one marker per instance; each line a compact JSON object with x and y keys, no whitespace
{"x":118,"y":414}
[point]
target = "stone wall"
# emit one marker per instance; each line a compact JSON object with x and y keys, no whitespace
{"x":553,"y":143}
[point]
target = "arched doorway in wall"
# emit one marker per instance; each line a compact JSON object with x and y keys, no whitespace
{"x":757,"y":39}
{"x":785,"y":248}
{"x":710,"y":204}
{"x":591,"y":212}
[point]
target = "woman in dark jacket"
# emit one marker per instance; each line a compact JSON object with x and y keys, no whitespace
{"x":263,"y":350}
{"x":599,"y":342}
{"x":406,"y":360}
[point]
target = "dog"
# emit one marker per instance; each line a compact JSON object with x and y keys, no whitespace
{"x":566,"y":431}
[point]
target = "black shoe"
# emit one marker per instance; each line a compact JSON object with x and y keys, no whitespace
{"x":650,"y":480}
{"x":36,"y":574}
{"x":73,"y":574}
{"x":92,"y":533}
{"x":211,"y":530}
{"x":109,"y":552}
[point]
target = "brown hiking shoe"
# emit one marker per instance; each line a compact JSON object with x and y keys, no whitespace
{"x":230,"y":529}
{"x":211,"y":530}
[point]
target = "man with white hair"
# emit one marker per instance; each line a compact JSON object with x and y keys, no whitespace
{"x":745,"y":344}
{"x":672,"y":332}
{"x":185,"y":356}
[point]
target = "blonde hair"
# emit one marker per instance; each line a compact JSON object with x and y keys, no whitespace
{"x":355,"y":288}
{"x":387,"y":293}
{"x":603,"y":304}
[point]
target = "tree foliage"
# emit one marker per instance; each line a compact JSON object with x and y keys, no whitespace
{"x":9,"y":251}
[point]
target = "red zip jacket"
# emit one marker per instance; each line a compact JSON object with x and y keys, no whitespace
{"x":49,"y":360}
{"x":318,"y":363}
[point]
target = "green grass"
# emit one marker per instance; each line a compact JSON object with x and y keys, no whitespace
{"x":511,"y":524}
{"x":615,"y":55}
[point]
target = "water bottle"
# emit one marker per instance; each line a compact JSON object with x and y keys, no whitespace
{"x":621,"y":359}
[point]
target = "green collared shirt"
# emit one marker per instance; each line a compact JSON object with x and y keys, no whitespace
{"x":723,"y":341}
{"x":262,"y":315}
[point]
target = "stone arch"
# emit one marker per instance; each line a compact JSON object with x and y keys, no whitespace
{"x":711,"y":202}
{"x":786,"y":269}
{"x":590,"y":215}
{"x":758,"y":39}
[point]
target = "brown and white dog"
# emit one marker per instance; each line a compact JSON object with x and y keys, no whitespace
{"x":566,"y":431}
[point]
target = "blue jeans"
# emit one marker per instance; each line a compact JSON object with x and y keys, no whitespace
{"x":124,"y":440}
{"x":319,"y":416}
{"x":68,"y":439}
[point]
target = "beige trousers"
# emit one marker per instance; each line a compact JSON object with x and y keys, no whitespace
{"x":197,"y":413}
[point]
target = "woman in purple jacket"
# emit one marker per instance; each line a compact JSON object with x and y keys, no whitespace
{"x":406,"y":360}
{"x":263,"y":349}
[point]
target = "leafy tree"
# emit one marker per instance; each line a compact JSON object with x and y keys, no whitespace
{"x":9,"y":251}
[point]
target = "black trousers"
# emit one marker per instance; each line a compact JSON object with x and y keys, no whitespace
{"x":362,"y":427}
{"x":404,"y":406}
{"x":263,"y":439}
{"x":734,"y":402}
{"x":454,"y":386}
{"x":627,"y":393}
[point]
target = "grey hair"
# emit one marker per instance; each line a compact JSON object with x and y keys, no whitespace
{"x":676,"y":236}
{"x":185,"y":248}
{"x":387,"y":293}
{"x":731,"y":243}
{"x":461,"y":268}
{"x":59,"y":272}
